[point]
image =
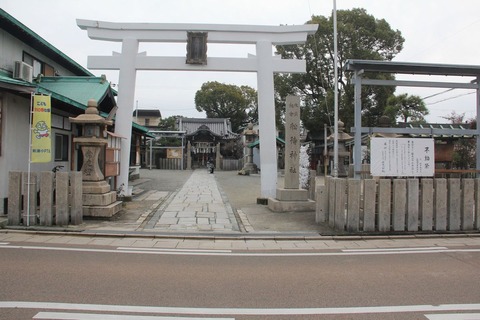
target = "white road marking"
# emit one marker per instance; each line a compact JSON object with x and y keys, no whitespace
{"x":395,"y":249}
{"x":172,"y":250}
{"x":239,"y":311}
{"x":103,"y":316}
{"x":239,"y":254}
{"x":459,"y":316}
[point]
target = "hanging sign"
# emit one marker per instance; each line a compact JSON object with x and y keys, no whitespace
{"x":402,"y":157}
{"x":41,"y":150}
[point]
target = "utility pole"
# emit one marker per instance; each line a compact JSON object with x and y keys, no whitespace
{"x":335,"y":63}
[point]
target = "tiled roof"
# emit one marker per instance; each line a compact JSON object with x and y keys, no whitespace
{"x":147,"y":113}
{"x":219,"y":126}
{"x":76,"y":90}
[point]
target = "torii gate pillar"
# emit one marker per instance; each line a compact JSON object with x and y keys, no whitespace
{"x":264,"y":64}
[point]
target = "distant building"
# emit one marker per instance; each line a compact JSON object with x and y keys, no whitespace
{"x":206,"y":136}
{"x":149,"y":118}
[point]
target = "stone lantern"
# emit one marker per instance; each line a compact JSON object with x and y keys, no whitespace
{"x":98,"y":199}
{"x":343,"y":153}
{"x":249,"y":166}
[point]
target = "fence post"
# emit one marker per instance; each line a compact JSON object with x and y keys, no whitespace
{"x":477,"y":204}
{"x":30,"y":200}
{"x":399,"y":204}
{"x":340,"y":195}
{"x":426,"y":209}
{"x":412,"y":204}
{"x":14,"y":197}
{"x":369,"y":199}
{"x":454,"y":204}
{"x":321,"y":203}
{"x":61,"y":196}
{"x":353,"y":205}
{"x":468,"y":211}
{"x":46,"y":198}
{"x":331,"y":201}
{"x":312,"y":185}
{"x":77,"y":197}
{"x":440,"y":204}
{"x":384,"y":204}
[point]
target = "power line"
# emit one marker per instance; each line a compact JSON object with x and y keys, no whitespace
{"x":439,"y":93}
{"x":450,"y":98}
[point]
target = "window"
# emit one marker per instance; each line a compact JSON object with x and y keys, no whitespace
{"x":147,"y":122}
{"x":38,"y":66}
{"x":61,"y":147}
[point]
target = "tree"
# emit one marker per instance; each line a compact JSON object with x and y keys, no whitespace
{"x":410,"y":109}
{"x":221,"y":100}
{"x":168,"y":124}
{"x":360,"y":36}
{"x":464,"y":148}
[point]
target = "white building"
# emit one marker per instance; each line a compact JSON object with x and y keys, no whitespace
{"x":24,"y":56}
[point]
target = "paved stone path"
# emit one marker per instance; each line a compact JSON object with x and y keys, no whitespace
{"x":198,"y":206}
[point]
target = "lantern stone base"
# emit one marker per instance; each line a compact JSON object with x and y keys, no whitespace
{"x":102,"y":211}
{"x":99,"y":201}
{"x":291,"y":200}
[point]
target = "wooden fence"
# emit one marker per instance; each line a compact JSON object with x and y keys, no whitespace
{"x":169,"y":164}
{"x":53,"y":198}
{"x":396,"y":205}
{"x":232,"y":164}
{"x":176,"y":164}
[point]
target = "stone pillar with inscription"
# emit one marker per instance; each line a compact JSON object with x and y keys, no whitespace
{"x":291,"y":197}
{"x":98,"y":200}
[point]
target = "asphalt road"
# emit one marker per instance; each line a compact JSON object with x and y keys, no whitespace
{"x":273,"y":284}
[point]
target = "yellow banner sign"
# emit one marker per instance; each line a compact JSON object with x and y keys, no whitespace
{"x":41,"y":129}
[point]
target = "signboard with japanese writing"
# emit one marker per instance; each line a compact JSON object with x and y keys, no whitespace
{"x":403,"y":157}
{"x":174,"y":153}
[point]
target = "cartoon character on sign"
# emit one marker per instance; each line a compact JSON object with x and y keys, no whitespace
{"x":41,"y":130}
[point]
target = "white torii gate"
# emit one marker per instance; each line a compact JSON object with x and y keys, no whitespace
{"x":264,"y":64}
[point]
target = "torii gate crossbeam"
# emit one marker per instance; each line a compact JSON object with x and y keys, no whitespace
{"x":264,"y":64}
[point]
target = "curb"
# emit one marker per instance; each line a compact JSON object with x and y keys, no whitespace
{"x":233,"y":236}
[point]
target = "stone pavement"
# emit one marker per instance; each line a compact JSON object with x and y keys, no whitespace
{"x":198,"y":206}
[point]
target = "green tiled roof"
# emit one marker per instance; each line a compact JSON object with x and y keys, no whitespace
{"x":76,"y":90}
{"x":17,"y":84}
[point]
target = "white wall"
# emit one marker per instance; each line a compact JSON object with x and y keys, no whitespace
{"x":11,"y":50}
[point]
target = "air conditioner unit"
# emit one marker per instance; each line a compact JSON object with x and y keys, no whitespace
{"x":23,"y":71}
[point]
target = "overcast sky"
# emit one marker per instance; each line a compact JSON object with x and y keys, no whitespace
{"x":435,"y":31}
